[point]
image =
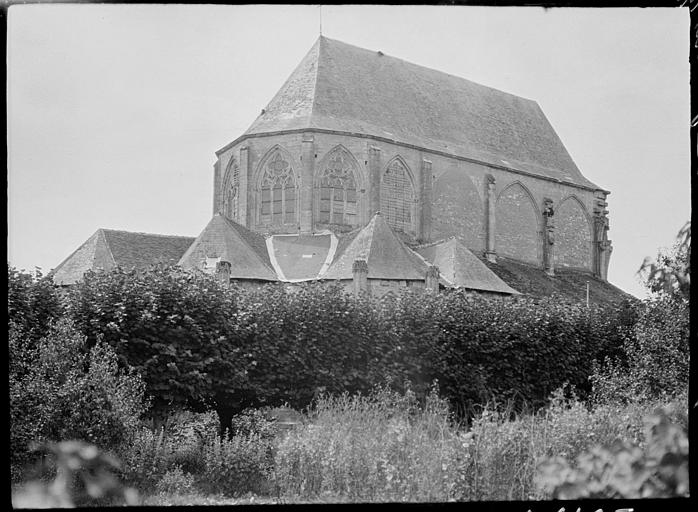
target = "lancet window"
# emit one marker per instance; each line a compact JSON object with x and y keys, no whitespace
{"x":279,"y":193}
{"x":336,"y":194}
{"x":232,"y":193}
{"x":397,"y":198}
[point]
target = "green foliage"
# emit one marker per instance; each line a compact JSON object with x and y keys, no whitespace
{"x":146,"y":457}
{"x":176,"y":481}
{"x":177,"y":329}
{"x":70,"y":392}
{"x":624,"y":470}
{"x":303,"y":341}
{"x":187,"y":432}
{"x":381,"y":447}
{"x":317,"y":339}
{"x":656,"y":361}
{"x":200,"y":345}
{"x":670,"y":273}
{"x":237,"y":465}
{"x":254,"y":422}
{"x":33,"y":303}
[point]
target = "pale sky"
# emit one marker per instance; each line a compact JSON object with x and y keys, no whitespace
{"x":115,"y":111}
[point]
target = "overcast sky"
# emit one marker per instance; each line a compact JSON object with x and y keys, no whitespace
{"x":115,"y":111}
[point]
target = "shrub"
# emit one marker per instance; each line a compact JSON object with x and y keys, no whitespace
{"x":146,"y":458}
{"x":187,"y":432}
{"x":33,"y":303}
{"x":656,"y":359}
{"x":624,"y":470}
{"x":254,"y":422}
{"x":237,"y":465}
{"x":70,"y":392}
{"x":177,"y":329}
{"x":176,"y":481}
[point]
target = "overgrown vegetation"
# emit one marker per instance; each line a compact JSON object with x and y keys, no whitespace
{"x":412,"y":398}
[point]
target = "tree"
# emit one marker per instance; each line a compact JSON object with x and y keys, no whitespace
{"x":177,"y":329}
{"x":670,"y":272}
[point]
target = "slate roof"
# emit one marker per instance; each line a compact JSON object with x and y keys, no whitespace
{"x":344,"y":88}
{"x":108,"y":248}
{"x":387,"y":256}
{"x":300,"y":257}
{"x":460,"y":268}
{"x":570,"y":284}
{"x":244,"y":249}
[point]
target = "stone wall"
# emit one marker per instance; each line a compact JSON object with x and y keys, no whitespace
{"x":449,"y":196}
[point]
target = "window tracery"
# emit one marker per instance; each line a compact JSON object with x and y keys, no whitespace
{"x":279,"y":194}
{"x":397,"y":197}
{"x":337,"y":197}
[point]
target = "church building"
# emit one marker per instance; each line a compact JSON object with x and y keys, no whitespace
{"x":379,"y":173}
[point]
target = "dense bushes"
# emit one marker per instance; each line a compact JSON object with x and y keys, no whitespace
{"x":200,"y":345}
{"x":33,"y":302}
{"x":177,"y":329}
{"x":62,"y":390}
{"x":319,"y":339}
{"x":656,"y":356}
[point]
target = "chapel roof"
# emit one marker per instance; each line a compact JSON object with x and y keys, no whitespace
{"x":301,"y":257}
{"x":345,"y":88}
{"x":386,"y":255}
{"x":460,"y":268}
{"x":224,"y":239}
{"x":567,"y":283}
{"x":109,"y":248}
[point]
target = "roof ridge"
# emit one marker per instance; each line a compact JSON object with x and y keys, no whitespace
{"x":319,"y":44}
{"x":143,"y":233}
{"x":234,"y":225}
{"x":106,"y":243}
{"x":65,"y":260}
{"x":382,"y":54}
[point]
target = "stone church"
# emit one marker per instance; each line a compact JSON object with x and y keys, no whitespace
{"x":381,"y":174}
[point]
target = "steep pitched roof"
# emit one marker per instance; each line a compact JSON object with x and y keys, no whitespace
{"x":222,"y":238}
{"x":460,"y":268}
{"x":570,"y":284}
{"x":387,"y":256}
{"x":108,"y":248}
{"x":341,"y":87}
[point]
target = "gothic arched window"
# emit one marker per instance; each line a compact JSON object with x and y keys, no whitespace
{"x":397,"y":198}
{"x":278,"y":203}
{"x":336,"y":191}
{"x":232,"y":193}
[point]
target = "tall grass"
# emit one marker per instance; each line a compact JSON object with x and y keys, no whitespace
{"x":382,"y":447}
{"x":388,"y":447}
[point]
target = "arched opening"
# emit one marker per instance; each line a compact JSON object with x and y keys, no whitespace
{"x":231,"y":191}
{"x":336,"y":191}
{"x":517,"y":225}
{"x":277,"y":192}
{"x":397,"y":197}
{"x":573,"y":238}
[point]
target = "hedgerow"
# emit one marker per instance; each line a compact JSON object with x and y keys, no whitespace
{"x":200,"y":345}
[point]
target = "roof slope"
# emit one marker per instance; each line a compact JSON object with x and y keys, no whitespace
{"x":301,"y":256}
{"x":460,"y":268}
{"x":387,"y":256}
{"x":341,"y":87}
{"x":570,"y":284}
{"x":222,"y":238}
{"x":108,"y":248}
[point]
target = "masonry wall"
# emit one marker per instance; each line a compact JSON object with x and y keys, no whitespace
{"x":450,"y":196}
